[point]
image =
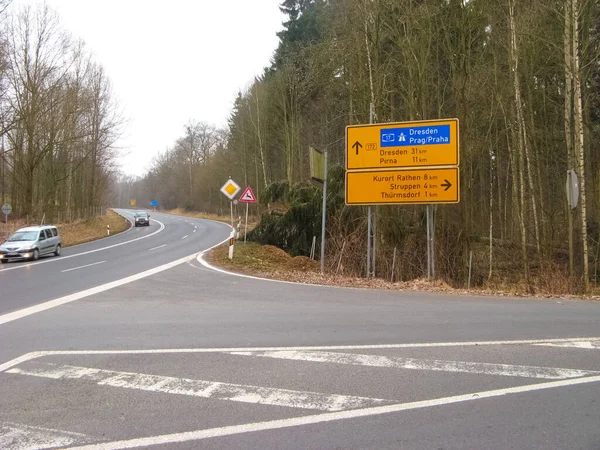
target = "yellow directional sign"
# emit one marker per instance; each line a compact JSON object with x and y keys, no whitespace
{"x":417,"y":186}
{"x":403,"y":144}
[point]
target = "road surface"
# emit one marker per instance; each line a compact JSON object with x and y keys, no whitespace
{"x":194,"y":358}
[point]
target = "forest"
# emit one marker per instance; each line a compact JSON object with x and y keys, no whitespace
{"x":59,"y":120}
{"x":523,"y":79}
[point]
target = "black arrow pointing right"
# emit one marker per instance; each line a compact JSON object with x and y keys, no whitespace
{"x":447,"y":185}
{"x":357,"y":145}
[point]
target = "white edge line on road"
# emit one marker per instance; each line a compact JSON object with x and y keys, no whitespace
{"x":395,"y":362}
{"x":209,"y":266}
{"x":162,"y":227}
{"x":201,"y":260}
{"x":105,"y":238}
{"x":19,"y":314}
{"x":26,"y":357}
{"x":156,"y":248}
{"x":82,"y":267}
{"x":186,"y":236}
{"x":40,"y":354}
{"x":327,"y":417}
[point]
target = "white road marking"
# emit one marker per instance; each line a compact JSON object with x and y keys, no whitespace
{"x":22,"y":437}
{"x":508,"y":370}
{"x":586,"y":344}
{"x":159,"y":351}
{"x":19,"y":314}
{"x":62,"y":258}
{"x":155,"y":248}
{"x":194,"y":230}
{"x":82,"y":267}
{"x":327,"y":417}
{"x":185,"y":236}
{"x":201,"y":388}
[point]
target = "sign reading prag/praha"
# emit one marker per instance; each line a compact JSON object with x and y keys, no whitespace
{"x":392,"y":163}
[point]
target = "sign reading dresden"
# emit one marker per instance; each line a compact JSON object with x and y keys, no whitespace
{"x":403,"y":144}
{"x":417,"y":186}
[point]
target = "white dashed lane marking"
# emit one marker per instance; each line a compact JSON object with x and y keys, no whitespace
{"x":83,"y":267}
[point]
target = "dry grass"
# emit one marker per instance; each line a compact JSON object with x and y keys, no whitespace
{"x":273,"y":263}
{"x":89,"y":230}
{"x":80,"y":231}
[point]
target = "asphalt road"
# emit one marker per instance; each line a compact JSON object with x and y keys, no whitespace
{"x":193,"y":358}
{"x":81,"y":267}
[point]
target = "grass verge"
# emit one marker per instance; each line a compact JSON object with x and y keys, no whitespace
{"x":267,"y":261}
{"x":92,"y":229}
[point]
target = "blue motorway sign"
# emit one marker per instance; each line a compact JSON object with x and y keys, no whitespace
{"x":415,"y":136}
{"x":154,"y":203}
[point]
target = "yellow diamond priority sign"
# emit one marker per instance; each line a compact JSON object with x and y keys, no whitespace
{"x":230,"y":189}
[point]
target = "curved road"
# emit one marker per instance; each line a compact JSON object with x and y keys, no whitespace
{"x":81,"y":267}
{"x":192,"y":358}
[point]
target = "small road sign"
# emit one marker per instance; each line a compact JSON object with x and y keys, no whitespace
{"x":417,"y":186}
{"x":154,"y":203}
{"x":132,"y":202}
{"x":402,"y":144}
{"x":248,"y":196}
{"x":230,"y":189}
{"x":6,"y":209}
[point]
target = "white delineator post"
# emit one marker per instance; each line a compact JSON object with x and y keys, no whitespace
{"x":231,"y":242}
{"x":108,"y":230}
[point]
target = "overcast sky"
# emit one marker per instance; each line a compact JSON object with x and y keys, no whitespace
{"x":172,"y":61}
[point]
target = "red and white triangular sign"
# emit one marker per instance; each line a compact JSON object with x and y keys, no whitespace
{"x":248,"y":196}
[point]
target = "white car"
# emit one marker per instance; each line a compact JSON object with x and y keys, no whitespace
{"x":31,"y":243}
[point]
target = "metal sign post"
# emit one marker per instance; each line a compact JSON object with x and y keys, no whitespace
{"x":247,"y":197}
{"x":402,"y":163}
{"x":6,"y":210}
{"x":323,"y":218}
{"x":230,"y":189}
{"x":357,"y":144}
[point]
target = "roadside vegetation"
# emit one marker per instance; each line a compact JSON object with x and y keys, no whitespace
{"x":92,"y":229}
{"x":79,"y":231}
{"x":267,"y":261}
{"x":523,"y":78}
{"x":59,"y":120}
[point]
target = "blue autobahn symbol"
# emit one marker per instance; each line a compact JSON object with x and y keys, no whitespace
{"x":422,"y":135}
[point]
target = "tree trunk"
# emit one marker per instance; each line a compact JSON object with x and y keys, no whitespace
{"x":568,"y":113}
{"x":579,"y":139}
{"x":520,"y":138}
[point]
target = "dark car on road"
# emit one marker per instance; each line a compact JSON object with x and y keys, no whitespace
{"x":141,"y":218}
